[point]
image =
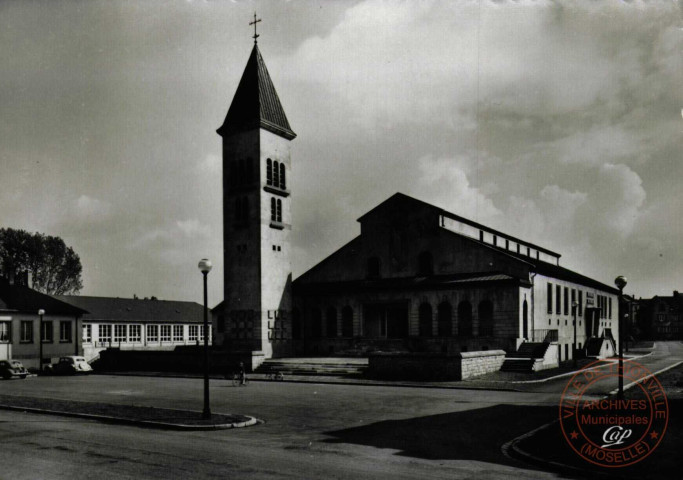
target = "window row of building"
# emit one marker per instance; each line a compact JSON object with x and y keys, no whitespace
{"x":563,"y":303}
{"x":275,"y":174}
{"x":447,"y":323}
{"x":47,"y":334}
{"x":119,"y":333}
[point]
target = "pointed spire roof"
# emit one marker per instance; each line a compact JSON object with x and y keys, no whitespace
{"x":256,"y":103}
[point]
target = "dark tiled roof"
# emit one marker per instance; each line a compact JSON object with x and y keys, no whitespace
{"x":23,"y":299}
{"x":256,"y":103}
{"x":431,"y":282}
{"x":110,"y":309}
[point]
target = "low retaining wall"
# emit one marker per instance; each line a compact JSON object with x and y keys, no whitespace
{"x":182,"y":359}
{"x":434,"y":366}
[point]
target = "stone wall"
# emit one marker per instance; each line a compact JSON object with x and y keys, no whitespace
{"x":434,"y":366}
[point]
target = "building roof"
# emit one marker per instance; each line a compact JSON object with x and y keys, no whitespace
{"x":20,"y":298}
{"x":256,"y":103}
{"x":108,"y":309}
{"x":401,"y":198}
{"x":429,"y":282}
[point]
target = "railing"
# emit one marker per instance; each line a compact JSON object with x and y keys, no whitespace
{"x":545,"y":335}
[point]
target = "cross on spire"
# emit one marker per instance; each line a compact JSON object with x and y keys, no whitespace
{"x":256,"y":35}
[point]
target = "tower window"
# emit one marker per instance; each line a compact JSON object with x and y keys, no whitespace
{"x":269,"y":172}
{"x":282,"y":176}
{"x":279,"y":210}
{"x":276,"y":174}
{"x":273,"y":210}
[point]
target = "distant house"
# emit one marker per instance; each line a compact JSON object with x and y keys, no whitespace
{"x":137,"y":324}
{"x":20,"y":325}
{"x":662,"y":317}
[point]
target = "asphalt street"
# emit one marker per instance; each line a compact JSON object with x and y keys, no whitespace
{"x":309,"y":431}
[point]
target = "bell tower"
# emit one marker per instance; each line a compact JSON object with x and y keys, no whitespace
{"x":256,"y":310}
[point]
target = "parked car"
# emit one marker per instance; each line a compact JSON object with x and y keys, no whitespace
{"x":12,"y":368}
{"x":70,"y":366}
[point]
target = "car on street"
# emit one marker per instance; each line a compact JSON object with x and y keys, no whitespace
{"x":70,"y":365}
{"x":12,"y":368}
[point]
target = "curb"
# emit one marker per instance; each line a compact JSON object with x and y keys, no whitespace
{"x":324,"y":382}
{"x":138,"y":423}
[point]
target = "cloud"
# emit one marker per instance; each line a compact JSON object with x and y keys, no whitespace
{"x":89,"y":208}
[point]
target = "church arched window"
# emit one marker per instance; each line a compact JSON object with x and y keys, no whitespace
{"x":273,"y":210}
{"x":425,"y":320}
{"x":485,"y":318}
{"x":282,"y":176}
{"x":269,"y":172}
{"x":445,"y":319}
{"x":316,"y":323}
{"x":347,"y":322}
{"x":465,"y":319}
{"x":331,"y":322}
{"x":279,"y":211}
{"x":276,"y":174}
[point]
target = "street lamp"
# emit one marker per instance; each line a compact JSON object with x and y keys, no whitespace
{"x":41,"y":312}
{"x":205,"y":267}
{"x":620,"y":282}
{"x":575,"y":306}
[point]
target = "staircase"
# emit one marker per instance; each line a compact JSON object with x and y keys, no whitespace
{"x":332,"y":366}
{"x":524,"y":359}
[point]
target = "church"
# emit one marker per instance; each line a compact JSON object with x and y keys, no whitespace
{"x":417,"y":278}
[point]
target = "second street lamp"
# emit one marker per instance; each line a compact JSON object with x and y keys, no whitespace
{"x":575,"y":306}
{"x":620,"y":282}
{"x":205,"y":267}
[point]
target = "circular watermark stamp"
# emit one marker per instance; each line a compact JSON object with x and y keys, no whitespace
{"x":613,"y":432}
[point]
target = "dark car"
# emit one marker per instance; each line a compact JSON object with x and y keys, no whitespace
{"x":70,"y":366}
{"x":12,"y":368}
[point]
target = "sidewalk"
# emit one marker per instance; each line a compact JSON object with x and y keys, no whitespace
{"x":150,"y":417}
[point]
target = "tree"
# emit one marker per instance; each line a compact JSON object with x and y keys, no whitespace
{"x":56,"y":268}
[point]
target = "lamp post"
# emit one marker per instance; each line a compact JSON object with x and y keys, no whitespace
{"x":575,"y":306}
{"x":41,"y":312}
{"x":205,"y":267}
{"x":620,"y":282}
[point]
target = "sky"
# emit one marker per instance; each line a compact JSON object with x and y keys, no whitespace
{"x":556,"y":122}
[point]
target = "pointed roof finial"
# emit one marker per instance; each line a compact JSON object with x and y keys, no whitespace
{"x":256,"y":35}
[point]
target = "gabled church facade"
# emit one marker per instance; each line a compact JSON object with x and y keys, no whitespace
{"x":419,"y":278}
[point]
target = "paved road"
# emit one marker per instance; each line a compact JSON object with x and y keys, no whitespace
{"x":310,"y":431}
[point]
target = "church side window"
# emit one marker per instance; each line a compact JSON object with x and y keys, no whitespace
{"x":282,"y":176}
{"x":331,"y":324}
{"x":558,"y":299}
{"x":269,"y":172}
{"x":550,"y":297}
{"x":445,"y":320}
{"x":273,"y":210}
{"x":279,"y":210}
{"x":347,"y":322}
{"x":276,"y":174}
{"x":486,"y":318}
{"x":425,"y":320}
